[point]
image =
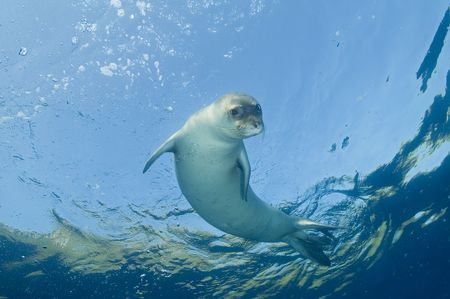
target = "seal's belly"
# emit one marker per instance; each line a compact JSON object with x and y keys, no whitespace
{"x":213,"y":190}
{"x":210,"y":189}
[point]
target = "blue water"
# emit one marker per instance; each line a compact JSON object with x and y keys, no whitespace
{"x":356,"y":104}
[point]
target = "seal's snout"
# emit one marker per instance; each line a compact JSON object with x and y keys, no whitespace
{"x":258,"y":124}
{"x":253,"y":119}
{"x":255,"y":127}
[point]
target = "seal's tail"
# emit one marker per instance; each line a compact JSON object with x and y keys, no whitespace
{"x":310,"y":239}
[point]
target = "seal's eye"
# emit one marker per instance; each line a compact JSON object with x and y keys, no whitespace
{"x":258,"y":108}
{"x":236,"y":111}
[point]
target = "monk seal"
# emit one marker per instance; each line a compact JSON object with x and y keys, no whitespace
{"x":213,"y":173}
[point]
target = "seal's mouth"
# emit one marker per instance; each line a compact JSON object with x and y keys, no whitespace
{"x":250,"y":128}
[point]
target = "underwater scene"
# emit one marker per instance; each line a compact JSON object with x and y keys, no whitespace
{"x":354,"y":100}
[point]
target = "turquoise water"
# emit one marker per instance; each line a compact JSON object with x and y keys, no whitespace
{"x":356,"y":107}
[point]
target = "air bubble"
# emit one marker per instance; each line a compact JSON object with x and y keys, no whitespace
{"x":23,"y":51}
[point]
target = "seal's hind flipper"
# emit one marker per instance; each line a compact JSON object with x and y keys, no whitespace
{"x":303,"y":223}
{"x":310,"y":238}
{"x":310,"y":249}
{"x":167,"y":146}
{"x":244,"y":166}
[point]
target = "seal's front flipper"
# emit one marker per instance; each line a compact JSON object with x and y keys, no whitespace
{"x":244,"y":165}
{"x":167,"y":146}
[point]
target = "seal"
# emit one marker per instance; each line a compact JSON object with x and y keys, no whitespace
{"x":213,"y":172}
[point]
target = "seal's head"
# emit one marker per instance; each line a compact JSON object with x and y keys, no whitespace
{"x":240,"y":115}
